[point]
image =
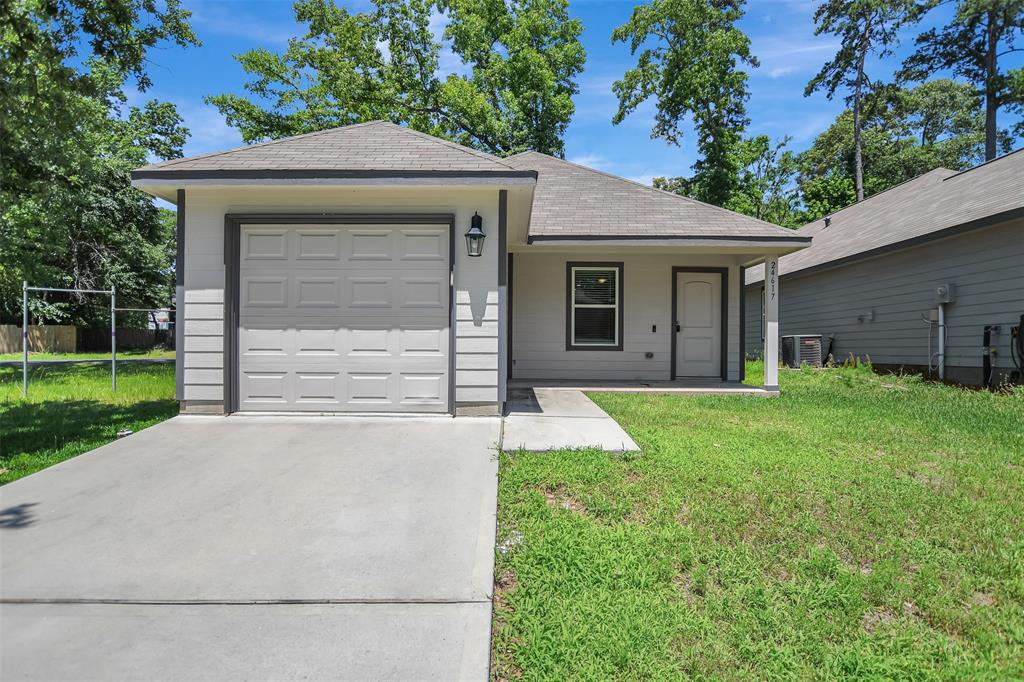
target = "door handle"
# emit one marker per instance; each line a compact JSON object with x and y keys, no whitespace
{"x":677,"y":327}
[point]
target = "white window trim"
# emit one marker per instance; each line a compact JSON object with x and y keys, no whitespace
{"x":616,"y":306}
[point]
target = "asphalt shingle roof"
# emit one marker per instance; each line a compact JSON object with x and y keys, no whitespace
{"x":571,"y":200}
{"x":929,"y":203}
{"x":372,"y":146}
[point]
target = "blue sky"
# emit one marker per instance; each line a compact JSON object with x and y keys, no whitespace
{"x":781,"y":31}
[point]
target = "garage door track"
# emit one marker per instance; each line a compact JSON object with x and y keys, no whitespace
{"x":256,"y":548}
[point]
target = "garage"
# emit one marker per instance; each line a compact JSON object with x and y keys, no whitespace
{"x":351,"y":315}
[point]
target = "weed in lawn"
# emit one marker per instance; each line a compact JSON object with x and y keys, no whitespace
{"x":858,"y":526}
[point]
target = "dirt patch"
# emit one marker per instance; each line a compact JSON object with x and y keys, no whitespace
{"x":983,"y":599}
{"x":504,"y":583}
{"x":877,"y":618}
{"x":560,"y":498}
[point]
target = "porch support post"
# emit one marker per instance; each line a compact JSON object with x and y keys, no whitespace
{"x":771,"y":323}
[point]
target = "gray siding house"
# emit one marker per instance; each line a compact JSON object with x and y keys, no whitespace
{"x":871,"y":276}
{"x":373,"y":268}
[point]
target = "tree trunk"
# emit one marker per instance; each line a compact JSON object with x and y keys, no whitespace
{"x":858,"y":158}
{"x":991,"y":72}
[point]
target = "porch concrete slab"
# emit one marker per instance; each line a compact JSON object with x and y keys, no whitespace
{"x":541,"y":419}
{"x":229,"y":642}
{"x":680,"y":387}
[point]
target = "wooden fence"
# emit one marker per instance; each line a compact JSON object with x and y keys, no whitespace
{"x":98,"y":340}
{"x":50,"y":338}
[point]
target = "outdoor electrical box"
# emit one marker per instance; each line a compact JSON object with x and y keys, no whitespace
{"x":945,"y":293}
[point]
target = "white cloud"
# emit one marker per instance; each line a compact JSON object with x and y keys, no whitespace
{"x":232,"y":21}
{"x":645,"y":178}
{"x":208,"y":132}
{"x":590,"y":160}
{"x":781,"y":71}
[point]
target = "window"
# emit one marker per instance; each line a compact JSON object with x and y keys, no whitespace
{"x":594,"y":306}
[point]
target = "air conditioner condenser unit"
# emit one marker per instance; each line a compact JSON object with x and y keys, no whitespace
{"x":801,"y":349}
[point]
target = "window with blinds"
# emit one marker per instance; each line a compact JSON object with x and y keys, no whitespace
{"x":595,"y":307}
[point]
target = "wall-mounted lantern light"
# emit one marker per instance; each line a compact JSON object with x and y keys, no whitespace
{"x":475,"y":236}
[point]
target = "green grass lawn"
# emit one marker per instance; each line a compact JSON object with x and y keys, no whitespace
{"x":152,"y":354}
{"x":859,"y":526}
{"x":71,"y":410}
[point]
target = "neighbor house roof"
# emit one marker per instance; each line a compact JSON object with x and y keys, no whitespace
{"x":574,"y":202}
{"x":374,"y":147}
{"x":927,"y":207}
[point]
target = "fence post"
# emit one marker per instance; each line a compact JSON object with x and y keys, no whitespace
{"x":24,"y":337}
{"x":113,"y":338}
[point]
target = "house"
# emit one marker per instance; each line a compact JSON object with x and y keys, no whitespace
{"x":329,"y":272}
{"x":882,"y":273}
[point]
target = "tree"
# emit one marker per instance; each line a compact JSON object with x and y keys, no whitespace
{"x":42,"y":44}
{"x":514,"y":91}
{"x":765,"y":183}
{"x":691,"y":59}
{"x":971,"y":45}
{"x":905,"y":133}
{"x":864,"y":27}
{"x":68,"y":141}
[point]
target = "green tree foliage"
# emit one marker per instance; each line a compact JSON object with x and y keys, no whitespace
{"x":864,"y":27}
{"x":68,"y":141}
{"x":512,"y":91}
{"x":765,"y":183}
{"x":971,"y":45}
{"x":906,"y":132}
{"x":691,"y":57}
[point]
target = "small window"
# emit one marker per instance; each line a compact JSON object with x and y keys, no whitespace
{"x":594,"y":306}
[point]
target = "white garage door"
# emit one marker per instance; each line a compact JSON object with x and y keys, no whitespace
{"x":343,"y":318}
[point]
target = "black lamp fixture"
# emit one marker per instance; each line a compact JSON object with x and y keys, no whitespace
{"x":475,"y":236}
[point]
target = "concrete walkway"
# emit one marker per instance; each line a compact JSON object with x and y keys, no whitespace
{"x":539,"y":419}
{"x":211,"y":548}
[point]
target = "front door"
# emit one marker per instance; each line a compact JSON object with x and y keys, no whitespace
{"x":698,"y":324}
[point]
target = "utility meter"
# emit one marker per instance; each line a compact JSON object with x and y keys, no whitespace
{"x":945,"y":293}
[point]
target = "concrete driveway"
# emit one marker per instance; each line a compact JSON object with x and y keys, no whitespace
{"x":256,"y":548}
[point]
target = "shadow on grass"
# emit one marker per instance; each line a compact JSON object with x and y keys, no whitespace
{"x":36,"y":428}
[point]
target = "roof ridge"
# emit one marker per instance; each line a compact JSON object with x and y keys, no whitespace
{"x":455,"y":145}
{"x":167,"y":164}
{"x":661,"y":191}
{"x":984,"y":163}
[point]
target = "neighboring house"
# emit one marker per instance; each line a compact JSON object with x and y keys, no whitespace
{"x":329,"y":272}
{"x":872,"y":274}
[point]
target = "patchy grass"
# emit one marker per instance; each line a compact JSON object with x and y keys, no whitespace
{"x":71,"y":410}
{"x":859,"y":526}
{"x":152,"y":354}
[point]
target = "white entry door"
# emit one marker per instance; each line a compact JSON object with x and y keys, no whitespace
{"x":343,"y":318}
{"x":699,"y":324}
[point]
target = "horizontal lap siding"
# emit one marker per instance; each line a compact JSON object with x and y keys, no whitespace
{"x":539,"y":317}
{"x":476,"y":284}
{"x":987,"y":267}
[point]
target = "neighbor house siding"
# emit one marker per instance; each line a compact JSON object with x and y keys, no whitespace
{"x":539,"y":317}
{"x":476,"y":279}
{"x":986,"y":265}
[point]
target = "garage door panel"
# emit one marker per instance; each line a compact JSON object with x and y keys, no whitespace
{"x":316,"y":292}
{"x":351,"y":318}
{"x":370,"y":244}
{"x":423,"y":245}
{"x":318,"y":244}
{"x":264,"y":244}
{"x":423,"y":292}
{"x":263,"y":291}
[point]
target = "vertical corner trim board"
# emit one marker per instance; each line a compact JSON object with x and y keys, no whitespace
{"x":179,"y":298}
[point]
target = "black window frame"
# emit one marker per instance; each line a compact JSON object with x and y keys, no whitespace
{"x":620,"y":308}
